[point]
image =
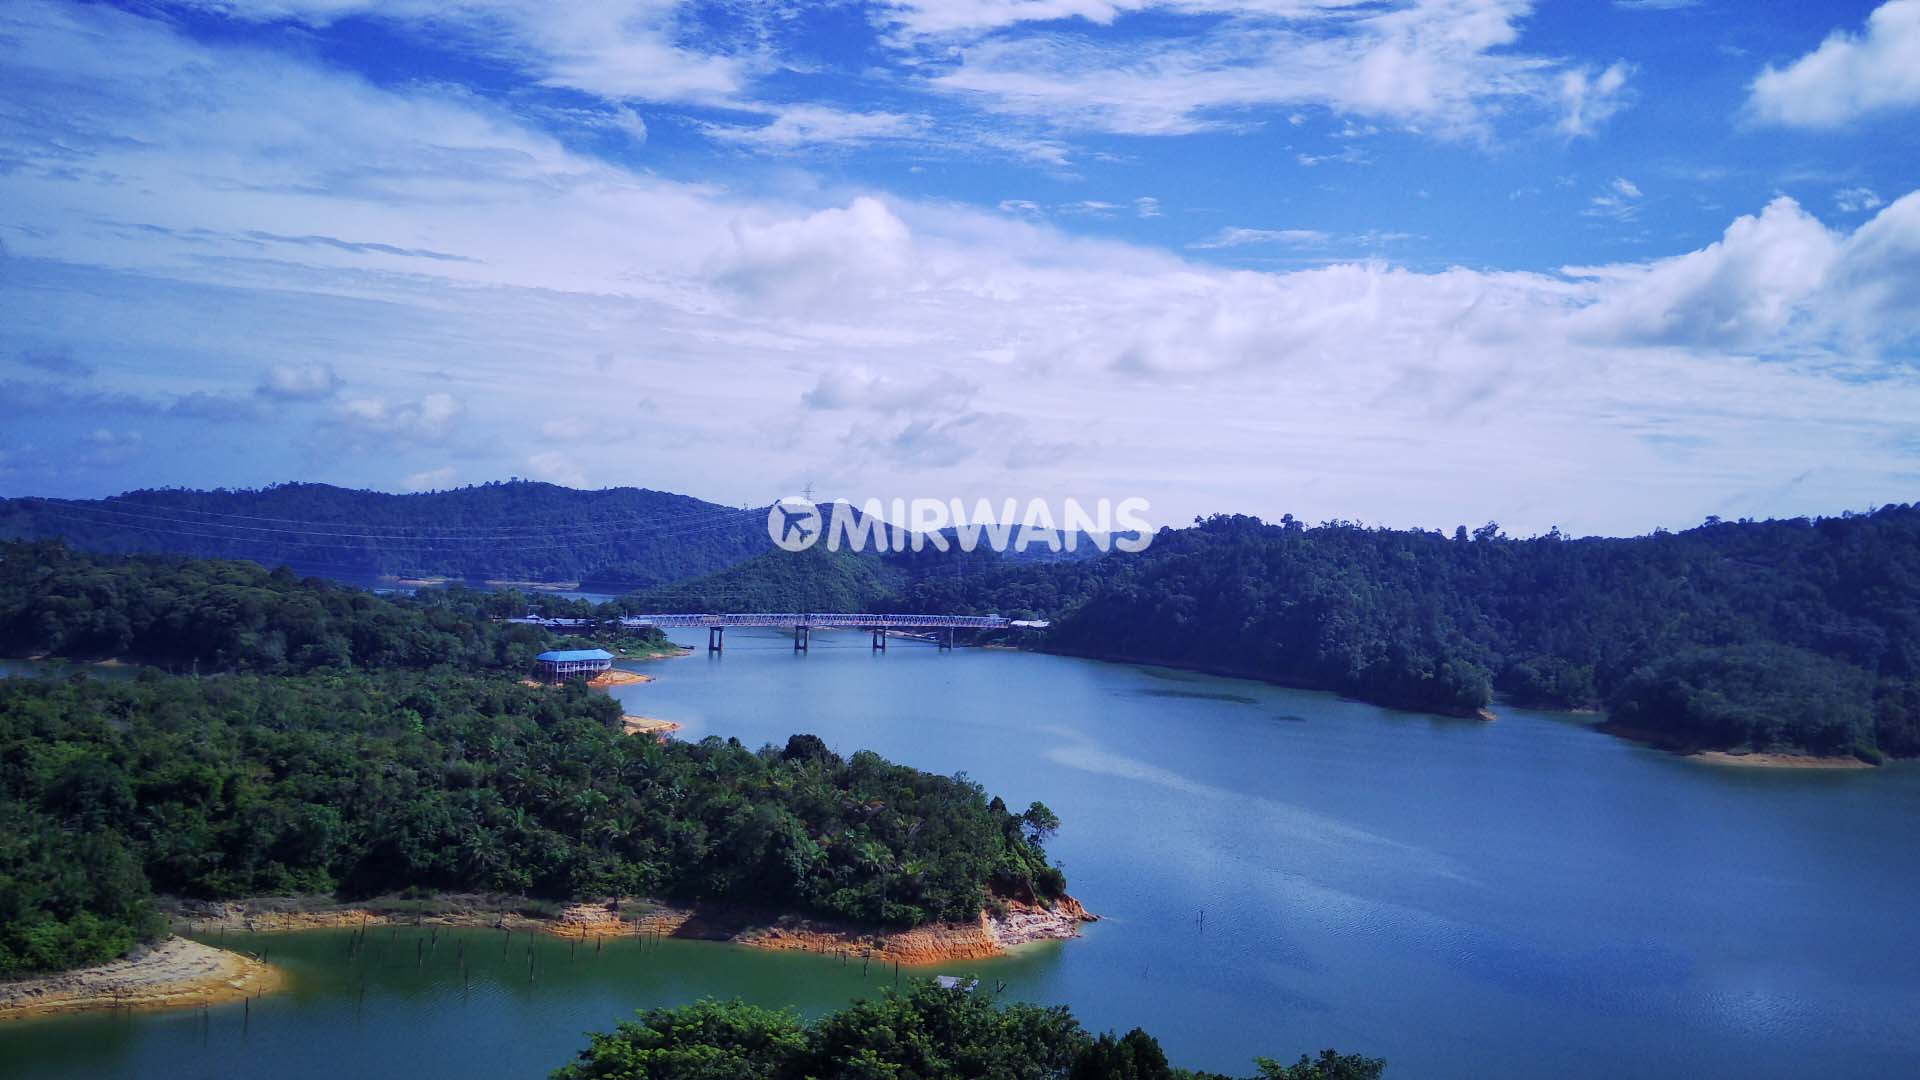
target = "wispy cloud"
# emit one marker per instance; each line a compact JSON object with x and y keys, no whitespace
{"x":58,"y":360}
{"x":1856,"y":200}
{"x":1588,"y":99}
{"x":1351,"y":155}
{"x":1443,"y":68}
{"x":1620,"y":201}
{"x":1232,"y":237}
{"x":299,"y":382}
{"x":794,"y":126}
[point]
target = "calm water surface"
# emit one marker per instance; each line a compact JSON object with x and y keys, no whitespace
{"x":1279,"y":871}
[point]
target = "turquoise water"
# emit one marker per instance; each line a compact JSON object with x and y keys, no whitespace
{"x":1279,"y":871}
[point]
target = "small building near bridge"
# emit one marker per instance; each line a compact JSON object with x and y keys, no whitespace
{"x":563,"y":664}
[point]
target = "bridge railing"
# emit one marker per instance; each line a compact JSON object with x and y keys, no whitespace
{"x":814,"y":619}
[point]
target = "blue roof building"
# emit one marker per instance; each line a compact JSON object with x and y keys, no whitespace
{"x":559,"y":665}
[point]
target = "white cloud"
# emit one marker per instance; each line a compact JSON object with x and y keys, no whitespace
{"x":1854,"y":200}
{"x":103,"y":448}
{"x":430,"y":419}
{"x":1146,"y":206}
{"x":1849,"y":76}
{"x":1752,"y":288}
{"x":1235,"y":236}
{"x":617,"y":49}
{"x":830,"y":257}
{"x":431,"y":479}
{"x":299,"y":382}
{"x":1590,"y":100}
{"x":1352,"y":155}
{"x":1620,"y":201}
{"x":921,"y":331}
{"x":1442,"y":66}
{"x":556,"y":468}
{"x":1868,"y":295}
{"x":858,"y":388}
{"x":794,"y":126}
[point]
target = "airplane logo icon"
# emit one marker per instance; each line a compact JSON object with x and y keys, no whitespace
{"x":793,"y":523}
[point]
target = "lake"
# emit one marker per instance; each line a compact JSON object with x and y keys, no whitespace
{"x":1279,"y":871}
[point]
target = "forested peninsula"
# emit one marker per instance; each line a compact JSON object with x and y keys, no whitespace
{"x":339,"y":743}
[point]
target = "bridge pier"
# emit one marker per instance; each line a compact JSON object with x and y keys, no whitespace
{"x":802,"y":638}
{"x":946,"y":639}
{"x":716,"y":638}
{"x":880,"y":639}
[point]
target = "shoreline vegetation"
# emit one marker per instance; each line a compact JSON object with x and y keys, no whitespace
{"x":1462,"y":712}
{"x":1738,"y":758}
{"x":176,"y":973}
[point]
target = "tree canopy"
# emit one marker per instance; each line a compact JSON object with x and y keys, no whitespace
{"x":923,"y":1033}
{"x":1791,"y":634}
{"x":366,"y":783}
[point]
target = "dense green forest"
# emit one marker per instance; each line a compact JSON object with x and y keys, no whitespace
{"x":814,"y":579}
{"x":1799,"y":634}
{"x":923,"y":1033}
{"x":614,"y":539}
{"x":366,"y":783}
{"x":225,"y":615}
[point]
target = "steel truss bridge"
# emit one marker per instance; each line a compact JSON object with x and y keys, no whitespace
{"x":803,"y":623}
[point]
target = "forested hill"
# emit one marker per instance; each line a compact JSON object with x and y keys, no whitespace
{"x":814,"y":579}
{"x":1800,"y":634}
{"x":213,"y":615}
{"x":617,"y":538}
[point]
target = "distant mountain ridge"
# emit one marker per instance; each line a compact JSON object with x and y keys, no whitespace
{"x":614,"y":538}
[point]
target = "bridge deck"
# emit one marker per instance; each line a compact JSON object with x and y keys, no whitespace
{"x":813,"y":619}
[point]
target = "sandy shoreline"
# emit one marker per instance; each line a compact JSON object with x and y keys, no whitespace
{"x":611,"y":677}
{"x":1775,"y":761}
{"x":176,"y":973}
{"x":617,"y":677}
{"x":647,"y":725}
{"x":1756,"y":759}
{"x":989,"y":935}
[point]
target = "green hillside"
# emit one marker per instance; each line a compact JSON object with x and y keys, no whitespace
{"x":615,"y":539}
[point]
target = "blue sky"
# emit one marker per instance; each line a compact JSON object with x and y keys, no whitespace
{"x":1605,"y":266}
